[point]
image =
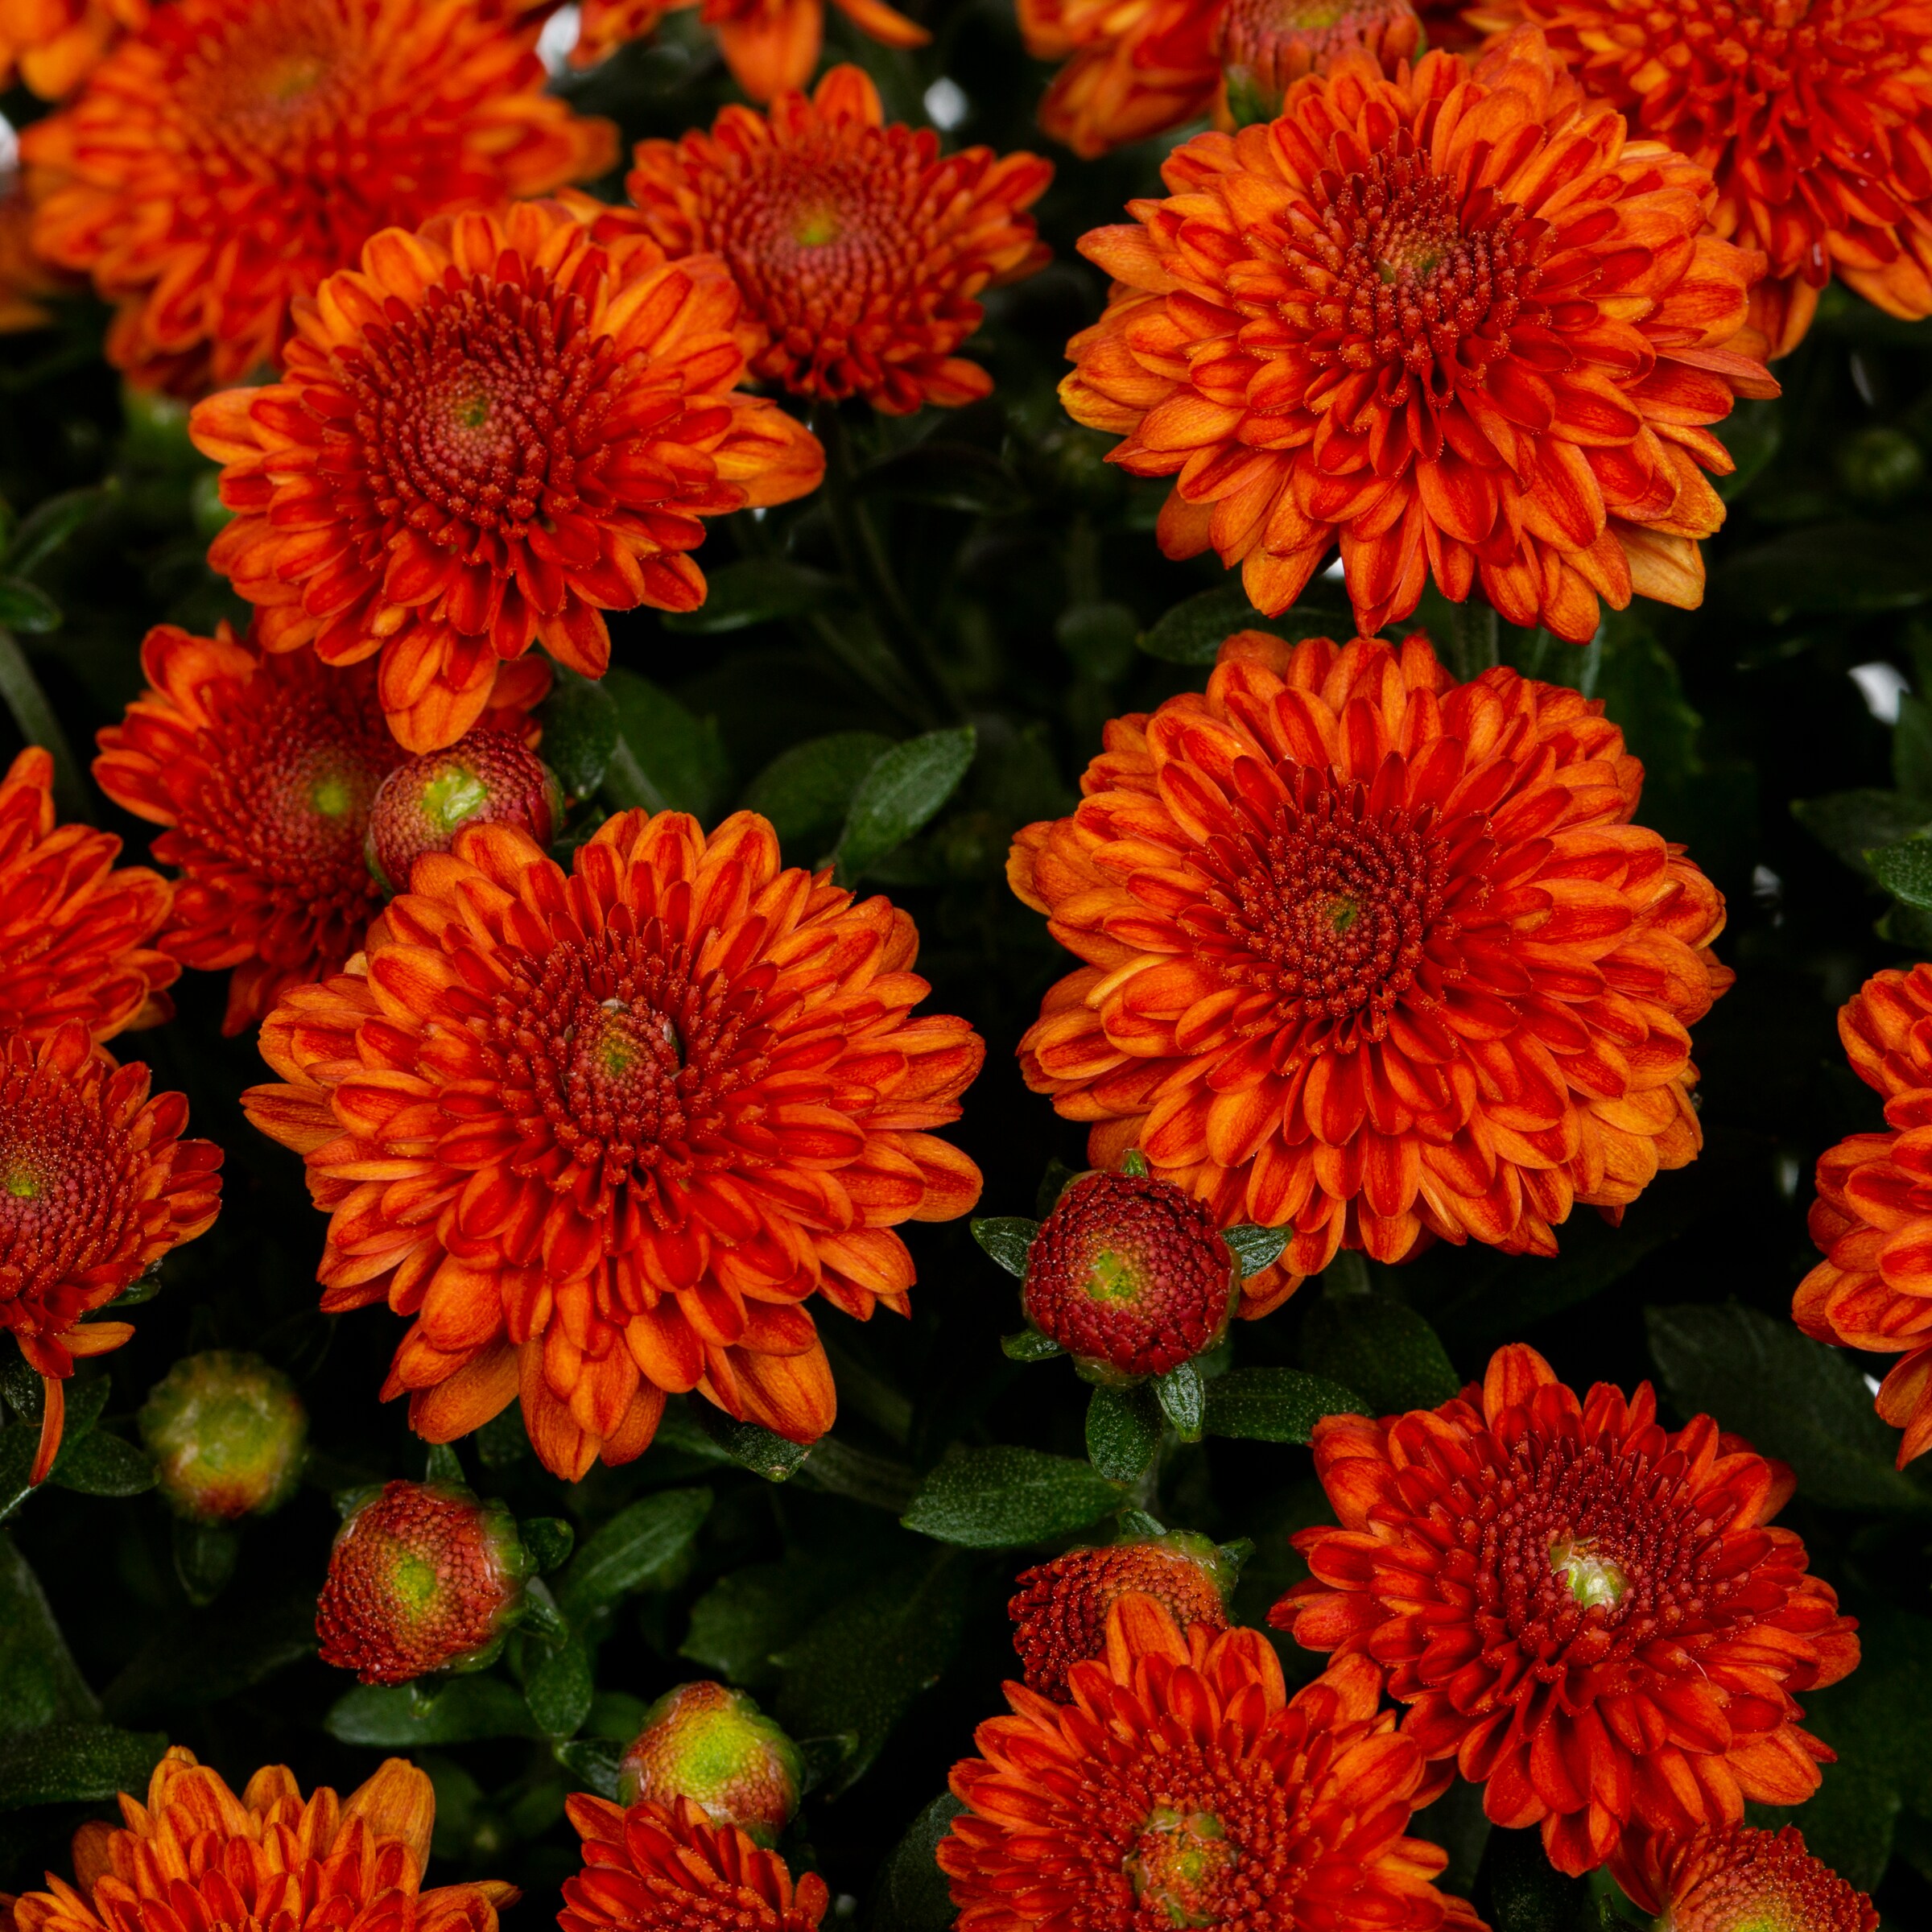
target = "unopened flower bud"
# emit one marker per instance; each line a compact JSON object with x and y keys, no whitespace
{"x":714,"y":1746}
{"x":1059,"y":1614}
{"x":1265,"y":46}
{"x":226,"y":1433}
{"x":1129,"y":1275}
{"x":422,"y":1577}
{"x":486,"y":778}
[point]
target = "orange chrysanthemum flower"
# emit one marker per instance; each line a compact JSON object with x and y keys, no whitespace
{"x":859,"y":248}
{"x":224,"y":161}
{"x":73,"y":929}
{"x":1112,"y":89}
{"x":1815,"y":116}
{"x":197,"y":1854}
{"x":1873,"y":1219}
{"x":770,"y":45}
{"x":1516,"y":1539}
{"x":490,"y":435}
{"x":667,"y":1868}
{"x":51,"y":46}
{"x":263,"y":769}
{"x":1182,"y":1786}
{"x":96,"y":1186}
{"x":626,"y":1123}
{"x":1739,"y":1879}
{"x":1371,"y":954}
{"x":1456,"y":321}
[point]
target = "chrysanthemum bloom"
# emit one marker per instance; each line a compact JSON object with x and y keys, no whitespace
{"x":226,"y":1433}
{"x":73,"y":929}
{"x":1873,"y":1218}
{"x":1263,"y":46}
{"x":486,"y":778}
{"x":714,"y":1746}
{"x":770,"y":45}
{"x":51,"y":46}
{"x":1456,"y":321}
{"x":263,"y":769}
{"x":1129,"y":1275}
{"x":488,"y":435}
{"x":421,"y":1578}
{"x":96,"y":1185}
{"x":1059,"y":1610}
{"x":224,"y":160}
{"x":1369,"y":954}
{"x":602,"y":1135}
{"x":1815,"y":116}
{"x":1111,"y":90}
{"x":1182,"y":1786}
{"x":653,"y":1868}
{"x":1516,"y":1541}
{"x":1741,"y":1880}
{"x":196,"y":1854}
{"x":860,"y":249}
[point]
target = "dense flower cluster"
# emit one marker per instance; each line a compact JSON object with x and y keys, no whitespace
{"x":1518,"y":1538}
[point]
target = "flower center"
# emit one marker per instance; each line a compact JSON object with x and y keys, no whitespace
{"x":1594,"y":1578}
{"x":269,"y":86}
{"x":67,"y":1202}
{"x":452,"y":796}
{"x":1180,"y":1866}
{"x":1113,"y":1279}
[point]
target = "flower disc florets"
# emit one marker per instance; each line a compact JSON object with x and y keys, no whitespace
{"x":1129,"y":1275}
{"x":1263,"y":46}
{"x":226,"y":1435}
{"x":714,"y":1746}
{"x":422,"y":1577}
{"x":1059,"y":1610}
{"x":1739,"y":1879}
{"x":486,"y":778}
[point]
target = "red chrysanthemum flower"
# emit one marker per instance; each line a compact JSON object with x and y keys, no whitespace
{"x":770,"y":45}
{"x":659,"y":1868}
{"x":421,"y":1578}
{"x":714,"y":1746}
{"x":1815,"y":116}
{"x":1129,"y":1275}
{"x":51,"y":46}
{"x":859,"y":248}
{"x":96,"y":1186}
{"x":1741,"y":1880}
{"x":1371,"y":954}
{"x":626,"y":1123}
{"x":1873,"y":1219}
{"x":223,"y":161}
{"x":1586,"y":1612}
{"x":1182,"y":1786}
{"x":487,"y":776}
{"x":73,"y":929}
{"x":490,"y":435}
{"x":195,"y":1853}
{"x":263,"y":769}
{"x":1456,"y":321}
{"x":1111,"y":90}
{"x":1060,"y":1608}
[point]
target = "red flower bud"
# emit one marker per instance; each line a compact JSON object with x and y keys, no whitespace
{"x":226,"y":1433}
{"x":715,"y":1747}
{"x":486,"y":778}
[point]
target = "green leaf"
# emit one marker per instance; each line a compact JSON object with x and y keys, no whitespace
{"x":1752,"y":433}
{"x":1528,"y":1894}
{"x":101,"y":1464}
{"x":558,"y":1687}
{"x":70,"y":1763}
{"x":1099,"y":637}
{"x":39,"y":1683}
{"x":1825,"y":570}
{"x":1006,"y":1237}
{"x":1905,"y":870}
{"x":911,"y":1895}
{"x":1850,"y":823}
{"x":1029,"y":1345}
{"x":666,"y":759}
{"x":595,"y":1764}
{"x":1381,"y":1348}
{"x":1912,"y":748}
{"x":1643,"y":695}
{"x":392,"y":1717}
{"x":27,"y":608}
{"x":1275,"y":1405}
{"x":1788,"y":1397}
{"x":549,"y":1539}
{"x":1255,"y":1248}
{"x":48,"y":525}
{"x":197,"y":1659}
{"x":1003,"y":1498}
{"x":579,"y":720}
{"x":881,"y":1482}
{"x":756,"y":590}
{"x":744,"y":1620}
{"x":752,"y":1446}
{"x":444,"y":1465}
{"x":901,"y":795}
{"x":947,"y":476}
{"x":204,"y":1557}
{"x":1194,"y":630}
{"x":861,"y":1663}
{"x":1184,"y":1400}
{"x":630,"y":1550}
{"x":1123,"y":1431}
{"x":807,"y":791}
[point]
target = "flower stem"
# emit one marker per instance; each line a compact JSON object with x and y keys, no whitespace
{"x":21,"y":691}
{"x":1472,"y":636}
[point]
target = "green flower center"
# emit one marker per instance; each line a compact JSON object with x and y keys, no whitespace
{"x":1179,"y":1866}
{"x":1593,"y":1578}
